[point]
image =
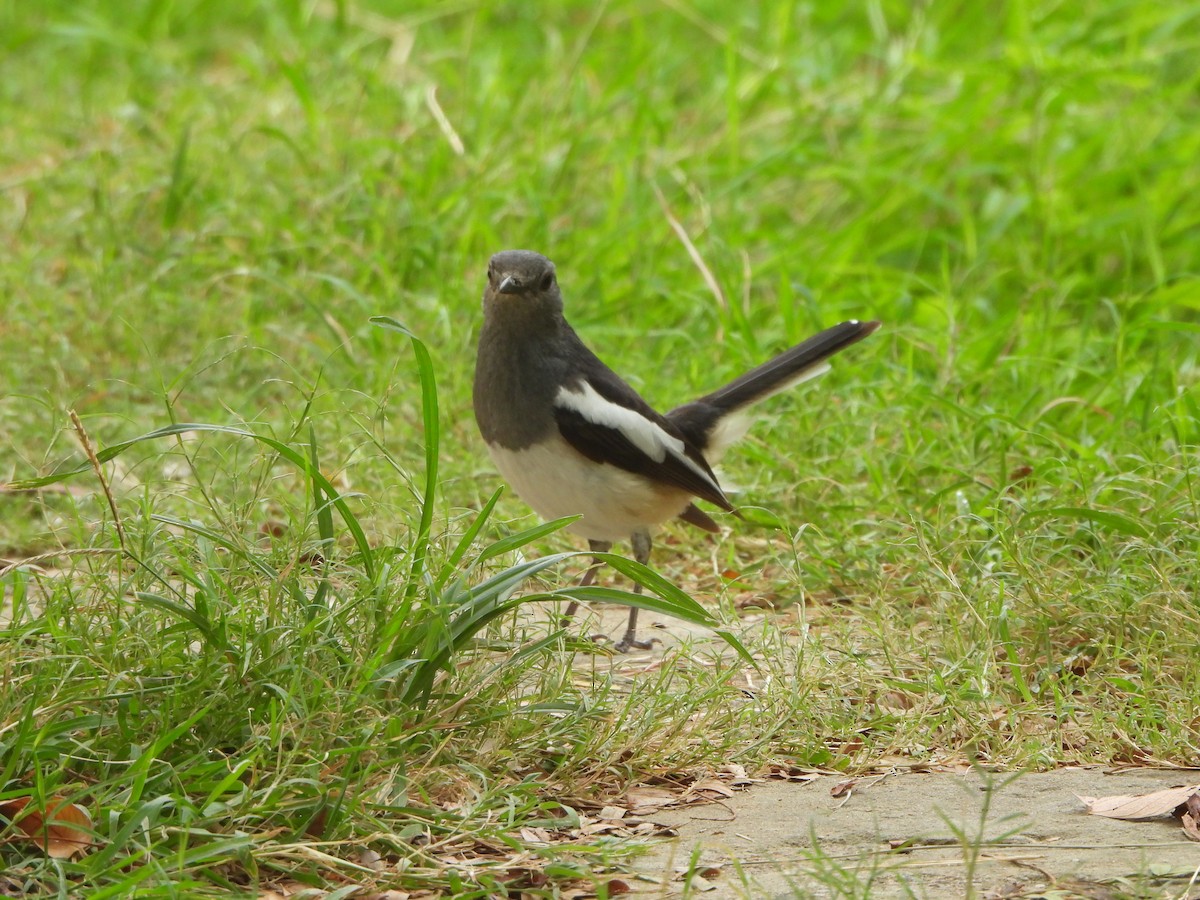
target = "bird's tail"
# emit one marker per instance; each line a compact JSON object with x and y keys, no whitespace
{"x":717,"y":420}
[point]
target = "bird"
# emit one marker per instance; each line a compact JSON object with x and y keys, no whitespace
{"x":573,"y":438}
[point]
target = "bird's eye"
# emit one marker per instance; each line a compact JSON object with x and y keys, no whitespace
{"x":547,"y":281}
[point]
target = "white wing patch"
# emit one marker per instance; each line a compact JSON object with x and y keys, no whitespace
{"x":649,"y":437}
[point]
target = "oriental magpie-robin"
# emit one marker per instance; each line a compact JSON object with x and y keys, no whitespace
{"x":573,"y":438}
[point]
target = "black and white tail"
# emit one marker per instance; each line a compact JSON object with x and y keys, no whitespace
{"x":718,"y":420}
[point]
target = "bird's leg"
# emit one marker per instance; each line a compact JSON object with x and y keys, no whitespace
{"x":589,"y":577}
{"x":641,"y":552}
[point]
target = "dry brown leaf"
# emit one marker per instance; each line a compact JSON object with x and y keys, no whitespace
{"x":612,"y":812}
{"x":590,"y":828}
{"x":842,"y":788}
{"x":1191,"y":827}
{"x":283,"y":890}
{"x":644,"y":799}
{"x":625,"y":828}
{"x":1139,"y":806}
{"x":525,"y":876}
{"x":1020,"y":473}
{"x":62,"y":833}
{"x":735,"y":774}
{"x":850,"y":747}
{"x":1192,"y":806}
{"x":272,"y":528}
{"x":653,"y":829}
{"x":792,"y":773}
{"x":695,"y":881}
{"x":707,"y":786}
{"x":896,"y":701}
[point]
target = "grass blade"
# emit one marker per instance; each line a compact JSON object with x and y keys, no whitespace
{"x":295,"y":458}
{"x":429,"y":419}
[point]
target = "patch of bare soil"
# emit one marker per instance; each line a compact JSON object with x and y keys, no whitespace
{"x":926,"y":835}
{"x":914,"y":834}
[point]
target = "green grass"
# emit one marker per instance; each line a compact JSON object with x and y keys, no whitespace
{"x":990,"y":511}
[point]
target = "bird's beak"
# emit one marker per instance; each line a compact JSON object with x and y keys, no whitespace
{"x":509,"y":284}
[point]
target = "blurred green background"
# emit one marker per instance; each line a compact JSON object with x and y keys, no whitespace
{"x":204,"y":202}
{"x":989,"y":511}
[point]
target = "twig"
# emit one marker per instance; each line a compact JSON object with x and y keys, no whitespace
{"x":68,"y":551}
{"x":705,"y":272}
{"x":443,"y":121}
{"x":86,"y":443}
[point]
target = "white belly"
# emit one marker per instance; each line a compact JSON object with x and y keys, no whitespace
{"x":556,"y":480}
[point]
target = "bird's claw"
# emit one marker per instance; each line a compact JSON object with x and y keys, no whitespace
{"x":629,"y":641}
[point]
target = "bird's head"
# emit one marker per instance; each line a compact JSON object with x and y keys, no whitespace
{"x":523,"y":279}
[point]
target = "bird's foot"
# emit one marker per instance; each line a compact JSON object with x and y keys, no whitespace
{"x":630,"y":641}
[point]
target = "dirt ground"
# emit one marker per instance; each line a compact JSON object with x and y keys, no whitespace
{"x":780,"y":839}
{"x":905,"y":834}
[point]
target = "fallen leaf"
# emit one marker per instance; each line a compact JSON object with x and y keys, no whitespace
{"x":602,"y":827}
{"x":1139,"y":806}
{"x":735,"y":775}
{"x":843,"y":788}
{"x":316,"y":825}
{"x":653,"y":829}
{"x":850,"y":747}
{"x":708,"y":786}
{"x":272,"y":528}
{"x":1017,"y":475}
{"x":1191,"y":805}
{"x":282,"y":890}
{"x":897,"y":701}
{"x":522,"y":876}
{"x":612,"y":812}
{"x":645,"y":799}
{"x":61,"y":834}
{"x":1191,"y":827}
{"x":750,"y":601}
{"x":792,"y":773}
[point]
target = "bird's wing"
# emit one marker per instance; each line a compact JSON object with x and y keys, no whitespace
{"x":605,"y":420}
